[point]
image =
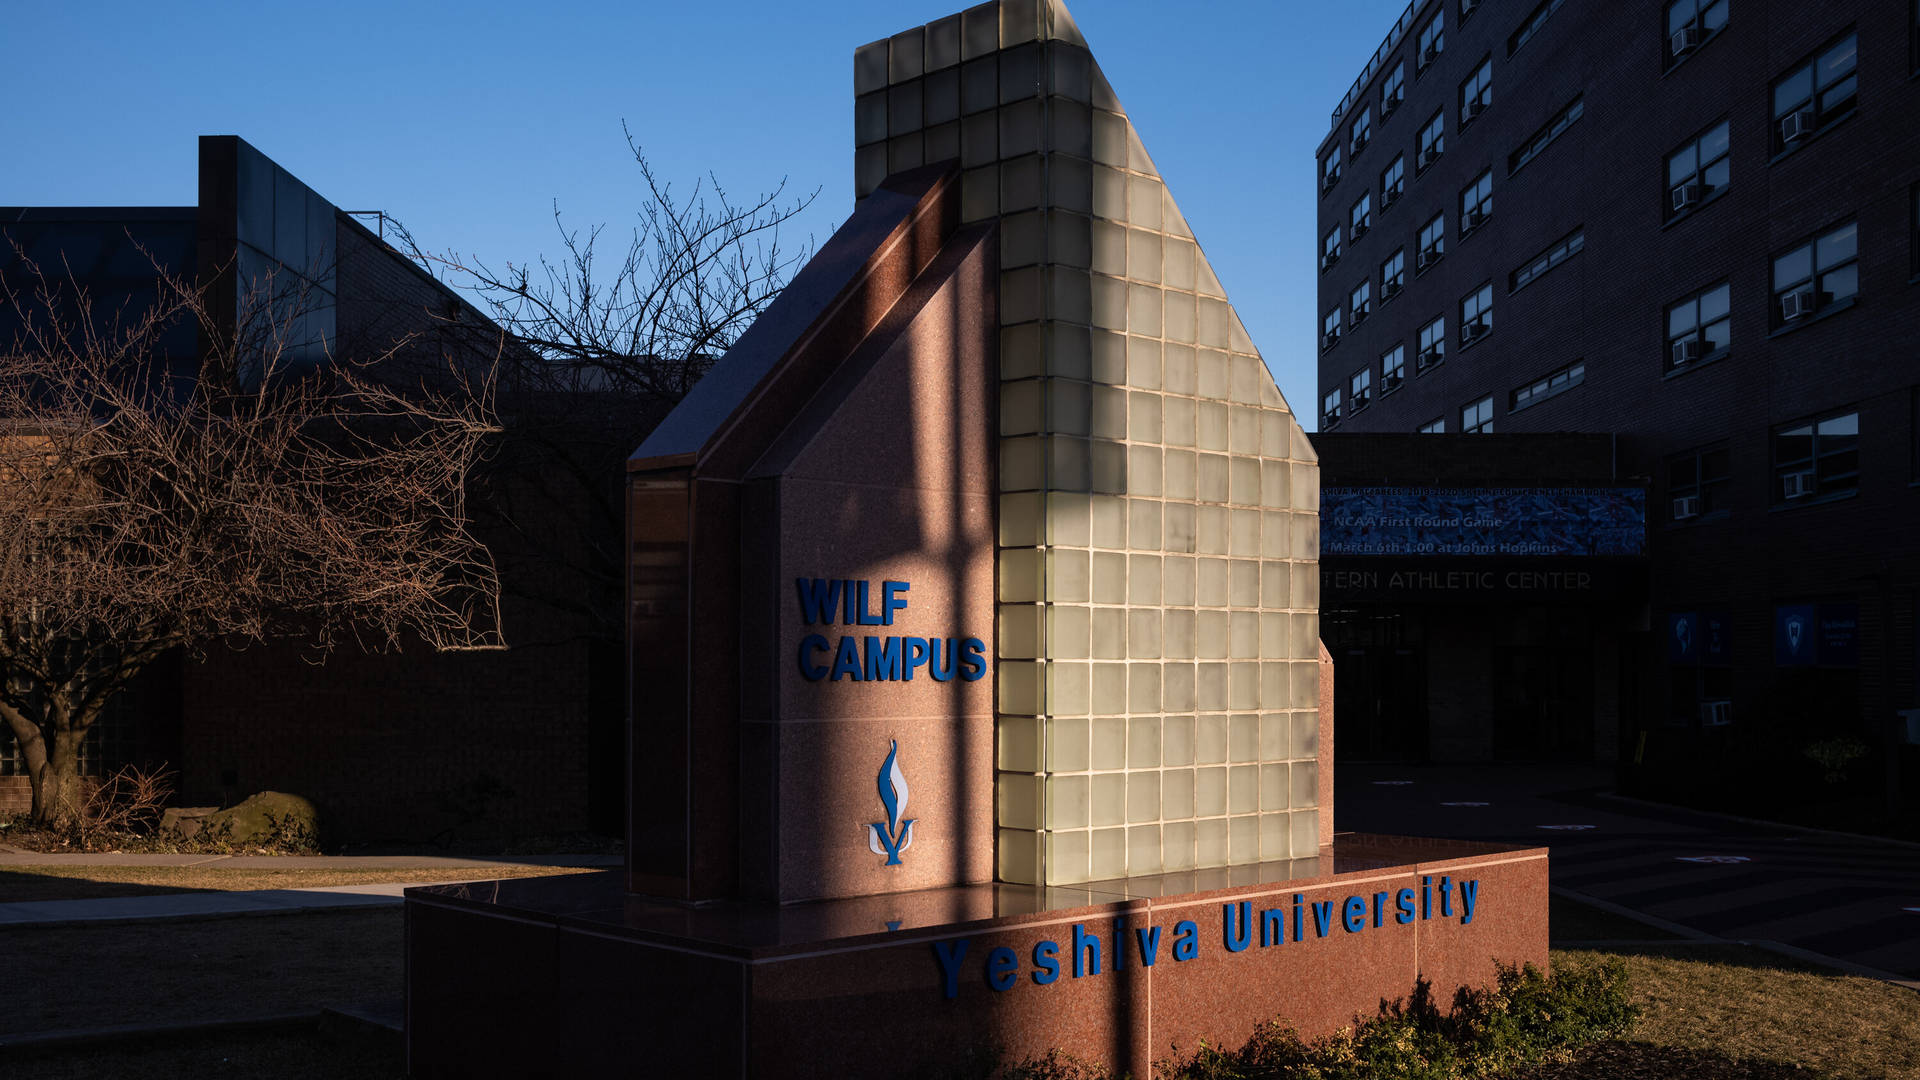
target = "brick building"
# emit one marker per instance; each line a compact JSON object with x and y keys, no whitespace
{"x":1691,"y":225}
{"x":398,"y":747}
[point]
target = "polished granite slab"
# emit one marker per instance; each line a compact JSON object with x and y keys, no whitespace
{"x":597,"y":903}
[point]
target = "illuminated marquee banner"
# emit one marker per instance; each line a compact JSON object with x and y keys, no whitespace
{"x":1516,"y":521}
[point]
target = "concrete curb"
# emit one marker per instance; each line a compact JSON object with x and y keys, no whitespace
{"x":1789,"y":826}
{"x":91,"y":1037}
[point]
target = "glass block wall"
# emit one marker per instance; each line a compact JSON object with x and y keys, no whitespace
{"x":1159,"y":533}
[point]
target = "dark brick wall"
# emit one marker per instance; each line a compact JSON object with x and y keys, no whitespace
{"x":1606,"y":305}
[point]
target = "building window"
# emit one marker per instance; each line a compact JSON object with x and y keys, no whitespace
{"x":1698,"y":171}
{"x":1697,"y":483}
{"x":1360,"y":218}
{"x":1393,"y":182}
{"x":1433,"y":345}
{"x":1330,"y":329}
{"x":1467,"y":8}
{"x":1431,"y":42}
{"x":1477,"y":418}
{"x":1435,"y":426}
{"x":1563,"y":249}
{"x":1330,"y":408}
{"x":1548,"y":385}
{"x":1360,"y":389}
{"x":1330,"y":248}
{"x":1476,"y":203}
{"x":1548,"y":132}
{"x":1393,"y":90}
{"x":1817,"y":276}
{"x":1432,"y":142}
{"x":1690,"y":23}
{"x":1393,"y":275}
{"x":1433,"y":242}
{"x":1330,"y":169}
{"x":1476,"y":315}
{"x":1697,"y":328}
{"x":1360,"y":302}
{"x":1819,"y":92}
{"x":1362,"y":129}
{"x":1818,"y":458}
{"x":1476,"y":93}
{"x":1393,"y":369}
{"x":1535,"y":21}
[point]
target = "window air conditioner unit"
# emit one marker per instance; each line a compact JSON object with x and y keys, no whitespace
{"x":1688,"y":195}
{"x":1360,"y":400}
{"x":1796,"y":485}
{"x":1358,"y":231}
{"x":1328,"y":260}
{"x":1472,"y":331}
{"x":1475,"y":108}
{"x":1388,"y":105}
{"x":1684,"y":41}
{"x":1330,"y":179}
{"x":1472,"y":220}
{"x":1428,"y":157}
{"x":1796,"y":305}
{"x":1686,"y":352}
{"x":1390,"y":290}
{"x":1332,"y":338}
{"x":1716,"y":713}
{"x":1427,"y":56}
{"x":1686,"y":506}
{"x":1359,"y":143}
{"x":1389,"y":383}
{"x":1796,"y":126}
{"x":1359,"y":315}
{"x":1424,"y":260}
{"x":1427,"y":357}
{"x":1392,"y":194}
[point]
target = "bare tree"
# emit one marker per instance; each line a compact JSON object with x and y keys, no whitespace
{"x":606,"y":343}
{"x":326,"y":503}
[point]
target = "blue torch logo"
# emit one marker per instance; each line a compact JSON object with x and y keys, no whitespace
{"x":894,"y":835}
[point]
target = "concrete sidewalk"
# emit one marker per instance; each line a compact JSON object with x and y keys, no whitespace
{"x":205,"y":903}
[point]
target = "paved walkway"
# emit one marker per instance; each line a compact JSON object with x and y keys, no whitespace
{"x":204,"y":903}
{"x":1850,"y":900}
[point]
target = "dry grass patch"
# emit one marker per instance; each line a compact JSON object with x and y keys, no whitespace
{"x":1754,"y":1005}
{"x":19,"y":884}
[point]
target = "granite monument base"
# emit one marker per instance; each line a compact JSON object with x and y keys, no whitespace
{"x":571,"y":975}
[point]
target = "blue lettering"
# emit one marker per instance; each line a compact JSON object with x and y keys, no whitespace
{"x":940,"y":672}
{"x":1273,"y":927}
{"x":1380,"y":909}
{"x":1002,"y":969}
{"x":883,"y":659}
{"x":1426,"y":898}
{"x":809,"y":645}
{"x":949,"y":954}
{"x":1299,"y":928}
{"x":973,"y":659}
{"x":865,"y":618}
{"x":847,"y":616}
{"x":847,"y":661}
{"x":890,"y":601}
{"x":1149,"y":944}
{"x":1085,"y":946}
{"x":818,"y":598}
{"x":1446,"y":895}
{"x":1403,"y":902}
{"x":1469,"y":892}
{"x":1323,"y":917}
{"x":1045,"y":967}
{"x":916,"y":654}
{"x":1186,"y":940}
{"x":1237,"y":925}
{"x":1353,"y":914}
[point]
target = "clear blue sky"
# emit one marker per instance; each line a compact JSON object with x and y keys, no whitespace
{"x":470,"y":121}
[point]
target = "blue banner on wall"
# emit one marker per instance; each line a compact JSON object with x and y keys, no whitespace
{"x":1530,"y":521}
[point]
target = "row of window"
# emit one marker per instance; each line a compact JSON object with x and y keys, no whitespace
{"x":1812,"y":459}
{"x":1819,"y":275}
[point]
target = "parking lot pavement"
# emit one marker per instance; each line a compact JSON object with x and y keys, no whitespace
{"x":1850,"y":899}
